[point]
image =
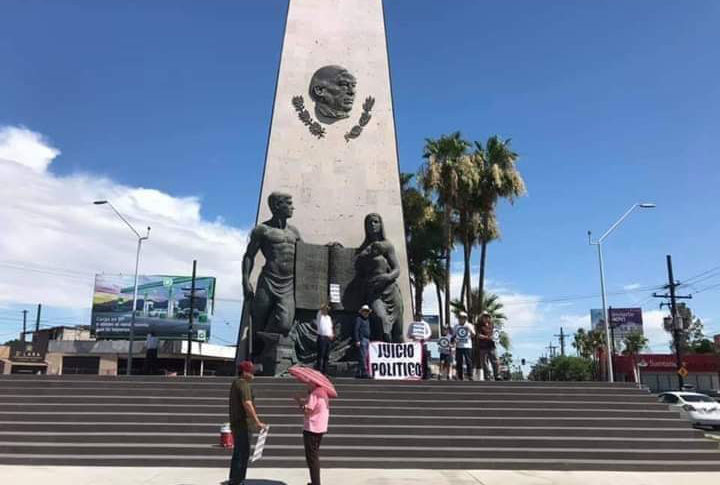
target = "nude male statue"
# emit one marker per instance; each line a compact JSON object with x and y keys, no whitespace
{"x":273,"y":303}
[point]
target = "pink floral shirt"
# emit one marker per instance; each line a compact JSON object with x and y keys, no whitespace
{"x":317,"y":411}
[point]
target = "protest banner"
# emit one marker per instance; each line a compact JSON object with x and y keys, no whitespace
{"x":395,"y":361}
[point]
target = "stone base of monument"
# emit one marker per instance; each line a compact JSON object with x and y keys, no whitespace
{"x":278,"y":353}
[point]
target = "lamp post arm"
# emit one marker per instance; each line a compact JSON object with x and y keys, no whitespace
{"x":126,"y":221}
{"x":618,"y":222}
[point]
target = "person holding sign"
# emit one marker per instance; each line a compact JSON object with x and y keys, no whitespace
{"x":462,"y":335}
{"x":316,"y":408}
{"x":445,"y":349}
{"x":326,"y":335}
{"x":419,"y":331}
{"x":243,"y":419}
{"x":486,"y":352}
{"x":361,"y":336}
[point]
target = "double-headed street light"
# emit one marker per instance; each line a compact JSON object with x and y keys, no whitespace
{"x":140,"y":239}
{"x":598,"y":243}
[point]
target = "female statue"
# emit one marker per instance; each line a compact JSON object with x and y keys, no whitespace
{"x":377,"y":268}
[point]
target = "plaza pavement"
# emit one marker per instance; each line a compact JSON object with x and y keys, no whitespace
{"x":32,"y":475}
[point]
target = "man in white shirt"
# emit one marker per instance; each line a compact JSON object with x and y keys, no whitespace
{"x":326,"y":335}
{"x":462,"y":335}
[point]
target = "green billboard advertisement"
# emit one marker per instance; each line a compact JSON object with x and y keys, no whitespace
{"x":163,"y":306}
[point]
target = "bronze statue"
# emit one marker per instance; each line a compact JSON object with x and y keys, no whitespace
{"x":273,"y":303}
{"x":378,"y":269}
{"x":333,"y":90}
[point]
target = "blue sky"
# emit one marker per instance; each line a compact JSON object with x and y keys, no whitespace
{"x":607,"y":103}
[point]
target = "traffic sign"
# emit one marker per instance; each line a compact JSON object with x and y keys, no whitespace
{"x":682,"y":372}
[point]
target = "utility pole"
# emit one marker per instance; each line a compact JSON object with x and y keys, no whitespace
{"x":677,"y":325}
{"x":562,"y":337}
{"x":552,"y":349}
{"x":22,"y":336}
{"x":188,"y":358}
{"x":37,"y":318}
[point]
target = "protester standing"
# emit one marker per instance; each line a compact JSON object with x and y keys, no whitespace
{"x":361,"y":336}
{"x":486,"y":350}
{"x":326,"y":334}
{"x":419,"y":331}
{"x":151,"y":352}
{"x":316,"y":408}
{"x":462,"y":335}
{"x":445,"y":349}
{"x":243,"y":420}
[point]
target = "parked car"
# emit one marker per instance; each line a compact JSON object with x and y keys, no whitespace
{"x":700,"y":409}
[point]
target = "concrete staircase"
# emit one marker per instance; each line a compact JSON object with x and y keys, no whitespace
{"x":154,"y":421}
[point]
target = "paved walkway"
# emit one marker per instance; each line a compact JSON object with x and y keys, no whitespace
{"x":267,"y":476}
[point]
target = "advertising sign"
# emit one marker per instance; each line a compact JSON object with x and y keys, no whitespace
{"x":623,"y":321}
{"x":395,"y":361}
{"x":163,"y":307}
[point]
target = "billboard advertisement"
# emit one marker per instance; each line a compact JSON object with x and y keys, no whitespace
{"x":622,"y":322}
{"x":163,"y":306}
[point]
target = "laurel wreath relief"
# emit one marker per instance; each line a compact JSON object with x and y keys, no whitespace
{"x":316,"y":128}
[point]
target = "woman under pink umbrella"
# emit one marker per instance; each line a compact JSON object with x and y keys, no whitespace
{"x":316,"y":409}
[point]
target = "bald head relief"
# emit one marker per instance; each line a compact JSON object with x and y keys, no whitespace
{"x":333,"y":90}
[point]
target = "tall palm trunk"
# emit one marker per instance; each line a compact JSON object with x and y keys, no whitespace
{"x":441,"y":318}
{"x":481,"y":277}
{"x":448,"y":245}
{"x":467,"y":252}
{"x":419,"y":287}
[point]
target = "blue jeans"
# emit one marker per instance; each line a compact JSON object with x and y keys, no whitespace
{"x":362,"y":361}
{"x":240,"y":457}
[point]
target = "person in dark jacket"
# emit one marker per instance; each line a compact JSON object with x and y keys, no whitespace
{"x":361,"y":336}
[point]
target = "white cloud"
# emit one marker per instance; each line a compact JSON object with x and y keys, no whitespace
{"x":631,"y":286}
{"x":25,"y":147}
{"x":54,"y":239}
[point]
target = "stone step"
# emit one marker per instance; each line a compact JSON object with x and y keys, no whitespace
{"x":222,"y":401}
{"x":294,"y":437}
{"x":499,"y":429}
{"x":449,"y":463}
{"x":222,"y":410}
{"x":342,"y":418}
{"x":388,"y":394}
{"x":375,"y":450}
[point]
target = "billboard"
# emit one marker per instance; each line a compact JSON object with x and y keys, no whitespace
{"x":623,"y":321}
{"x":163,"y":306}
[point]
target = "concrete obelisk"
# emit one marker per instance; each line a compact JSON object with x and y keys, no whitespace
{"x":332,"y":143}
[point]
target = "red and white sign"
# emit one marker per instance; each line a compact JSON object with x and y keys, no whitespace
{"x":391,"y":361}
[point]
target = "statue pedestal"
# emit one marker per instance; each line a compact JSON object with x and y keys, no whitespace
{"x":277,"y":355}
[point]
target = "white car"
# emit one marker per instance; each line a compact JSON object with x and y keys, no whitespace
{"x":699,"y":409}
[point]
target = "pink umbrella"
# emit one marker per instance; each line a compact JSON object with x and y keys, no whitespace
{"x":306,"y":375}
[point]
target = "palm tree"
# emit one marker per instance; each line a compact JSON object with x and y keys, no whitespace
{"x":423,"y":235}
{"x":633,"y":344}
{"x":439,"y":176}
{"x":499,"y":179}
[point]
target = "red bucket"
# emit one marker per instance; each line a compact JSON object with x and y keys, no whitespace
{"x":226,"y":436}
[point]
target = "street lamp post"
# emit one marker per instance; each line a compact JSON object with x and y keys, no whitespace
{"x":598,"y":243}
{"x":140,"y":239}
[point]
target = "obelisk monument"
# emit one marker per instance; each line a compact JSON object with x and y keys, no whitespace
{"x":332,"y":144}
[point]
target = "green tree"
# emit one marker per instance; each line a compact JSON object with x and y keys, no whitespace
{"x":692,"y":335}
{"x":439,"y":176}
{"x":562,"y":368}
{"x":633,"y":344}
{"x":499,"y":178}
{"x":423,"y":233}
